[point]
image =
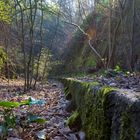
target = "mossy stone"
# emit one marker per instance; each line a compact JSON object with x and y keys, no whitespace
{"x":74,"y":121}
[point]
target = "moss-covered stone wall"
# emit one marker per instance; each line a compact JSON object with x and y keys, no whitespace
{"x":105,"y":114}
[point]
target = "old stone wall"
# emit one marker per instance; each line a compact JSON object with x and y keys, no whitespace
{"x":105,"y":113}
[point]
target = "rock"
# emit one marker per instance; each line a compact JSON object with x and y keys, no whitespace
{"x":81,"y":135}
{"x":69,"y":106}
{"x":113,"y":84}
{"x":54,"y":85}
{"x":12,"y":138}
{"x":137,"y":89}
{"x":65,"y":130}
{"x":72,"y":137}
{"x":58,"y":138}
{"x":41,"y":134}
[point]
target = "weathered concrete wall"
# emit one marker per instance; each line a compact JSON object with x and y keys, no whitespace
{"x":105,"y":113}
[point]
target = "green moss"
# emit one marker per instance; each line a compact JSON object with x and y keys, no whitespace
{"x":95,"y":123}
{"x":67,"y":93}
{"x":106,"y":90}
{"x":127,"y":130}
{"x":95,"y":83}
{"x":74,"y":120}
{"x":92,"y":103}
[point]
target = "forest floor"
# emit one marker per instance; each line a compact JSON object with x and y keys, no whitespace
{"x":49,"y":103}
{"x":53,"y":110}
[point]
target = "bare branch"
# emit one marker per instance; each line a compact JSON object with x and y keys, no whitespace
{"x":89,"y":41}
